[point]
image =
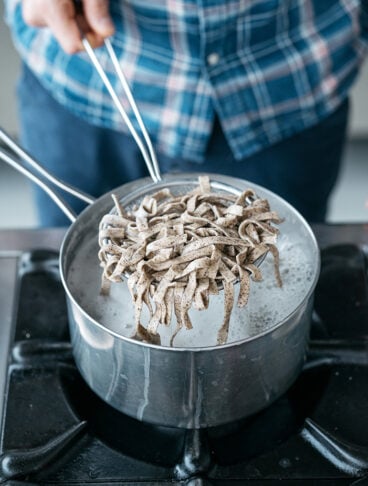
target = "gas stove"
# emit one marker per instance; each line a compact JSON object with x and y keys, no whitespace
{"x":55,"y":431}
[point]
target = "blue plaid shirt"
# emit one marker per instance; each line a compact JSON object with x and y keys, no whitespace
{"x":267,"y":68}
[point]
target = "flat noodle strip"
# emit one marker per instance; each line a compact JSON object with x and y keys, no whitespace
{"x":179,"y":250}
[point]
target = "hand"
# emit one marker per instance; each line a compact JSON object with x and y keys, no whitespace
{"x":65,"y":22}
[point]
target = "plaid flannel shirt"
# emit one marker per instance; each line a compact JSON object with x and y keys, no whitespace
{"x":267,"y":68}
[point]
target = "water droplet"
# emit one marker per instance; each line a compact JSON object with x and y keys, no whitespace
{"x":285,"y":462}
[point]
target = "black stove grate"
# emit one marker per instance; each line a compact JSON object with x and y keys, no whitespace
{"x":56,"y":431}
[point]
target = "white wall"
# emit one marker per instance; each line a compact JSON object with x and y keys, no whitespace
{"x":359,"y":119}
{"x":9,"y":67}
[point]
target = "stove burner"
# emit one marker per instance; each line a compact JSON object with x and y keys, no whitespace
{"x":56,"y":430}
{"x":341,"y":296}
{"x":228,"y":444}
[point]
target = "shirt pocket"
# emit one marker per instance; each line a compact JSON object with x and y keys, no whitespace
{"x":258,"y":23}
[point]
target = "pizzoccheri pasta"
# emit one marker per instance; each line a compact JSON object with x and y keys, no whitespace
{"x":180,"y":250}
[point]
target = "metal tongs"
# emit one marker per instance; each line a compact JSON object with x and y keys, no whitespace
{"x":144,"y":143}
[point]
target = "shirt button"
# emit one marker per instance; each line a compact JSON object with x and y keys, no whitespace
{"x":213,"y":59}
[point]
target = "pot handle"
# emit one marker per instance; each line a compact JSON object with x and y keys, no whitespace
{"x":19,"y":165}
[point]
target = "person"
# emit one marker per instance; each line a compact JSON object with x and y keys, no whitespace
{"x":258,"y":90}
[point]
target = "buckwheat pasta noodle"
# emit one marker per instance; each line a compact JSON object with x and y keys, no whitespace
{"x":180,"y":250}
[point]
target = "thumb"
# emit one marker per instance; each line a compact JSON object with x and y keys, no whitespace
{"x":98,"y":17}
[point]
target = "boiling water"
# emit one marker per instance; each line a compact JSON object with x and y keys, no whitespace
{"x":267,"y":306}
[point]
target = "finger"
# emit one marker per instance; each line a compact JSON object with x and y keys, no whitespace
{"x":94,"y":39}
{"x":98,"y":17}
{"x":33,"y":13}
{"x":60,"y":16}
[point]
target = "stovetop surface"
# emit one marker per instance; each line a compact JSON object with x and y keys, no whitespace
{"x":56,"y":431}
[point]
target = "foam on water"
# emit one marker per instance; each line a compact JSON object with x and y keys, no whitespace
{"x":267,"y":306}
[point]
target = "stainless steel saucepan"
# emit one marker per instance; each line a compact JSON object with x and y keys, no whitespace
{"x":183,"y":387}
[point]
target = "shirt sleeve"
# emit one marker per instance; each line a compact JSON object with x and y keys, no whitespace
{"x":364,"y":15}
{"x":10,"y":6}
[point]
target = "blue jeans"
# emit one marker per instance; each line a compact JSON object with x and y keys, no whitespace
{"x":302,"y":169}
